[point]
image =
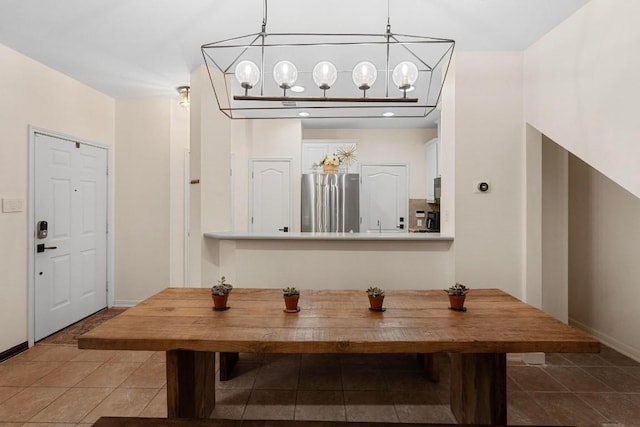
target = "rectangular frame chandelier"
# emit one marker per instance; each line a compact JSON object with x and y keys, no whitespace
{"x":318,"y":75}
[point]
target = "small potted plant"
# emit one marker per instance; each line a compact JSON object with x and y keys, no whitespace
{"x":457,"y":294}
{"x":376,"y":297}
{"x":291,"y":296}
{"x":220,"y":294}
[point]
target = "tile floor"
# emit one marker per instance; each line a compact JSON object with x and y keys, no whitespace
{"x":60,"y":385}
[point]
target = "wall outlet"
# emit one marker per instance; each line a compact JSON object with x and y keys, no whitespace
{"x":482,"y":187}
{"x":12,"y":205}
{"x":419,"y":223}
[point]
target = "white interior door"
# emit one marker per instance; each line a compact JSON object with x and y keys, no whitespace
{"x":71,"y":261}
{"x":270,"y":195}
{"x":384,"y":198}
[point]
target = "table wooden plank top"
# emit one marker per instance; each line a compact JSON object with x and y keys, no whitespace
{"x":336,"y":321}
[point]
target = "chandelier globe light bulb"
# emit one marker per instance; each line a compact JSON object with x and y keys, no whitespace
{"x":364,"y":75}
{"x":285,"y":74}
{"x":248,"y":74}
{"x":405,"y":75}
{"x":325,"y":74}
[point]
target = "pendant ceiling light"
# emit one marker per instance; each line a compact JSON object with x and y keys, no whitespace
{"x":280,"y":75}
{"x":185,"y":96}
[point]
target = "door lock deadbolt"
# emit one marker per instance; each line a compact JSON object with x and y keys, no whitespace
{"x":42,"y":230}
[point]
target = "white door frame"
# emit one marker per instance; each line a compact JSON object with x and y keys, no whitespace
{"x":31,"y":312}
{"x":187,"y":219}
{"x":291,"y":201}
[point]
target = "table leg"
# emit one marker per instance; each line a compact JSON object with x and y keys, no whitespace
{"x":227,"y":363}
{"x":479,"y":388}
{"x":191,"y":384}
{"x":429,"y":362}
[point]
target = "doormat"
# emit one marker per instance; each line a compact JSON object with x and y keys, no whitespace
{"x":70,"y":334}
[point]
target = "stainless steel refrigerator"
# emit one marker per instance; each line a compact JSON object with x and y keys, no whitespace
{"x":330,"y":202}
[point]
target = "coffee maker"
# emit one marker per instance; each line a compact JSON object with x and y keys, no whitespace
{"x":433,"y":222}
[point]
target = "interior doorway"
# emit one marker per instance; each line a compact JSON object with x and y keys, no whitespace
{"x":270,"y":208}
{"x":384,"y":198}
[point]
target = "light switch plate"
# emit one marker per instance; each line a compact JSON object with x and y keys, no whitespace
{"x":13,"y":205}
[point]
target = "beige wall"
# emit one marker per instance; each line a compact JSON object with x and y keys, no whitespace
{"x":211,"y":164}
{"x":338,"y":265}
{"x":554,"y":207}
{"x":489,"y":147}
{"x":604,"y":272}
{"x":142,"y":220}
{"x":35,"y":95}
{"x":489,"y":245}
{"x":581,"y":88}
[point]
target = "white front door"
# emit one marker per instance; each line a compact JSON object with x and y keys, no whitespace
{"x":384,"y":200}
{"x":270,"y":195}
{"x":71,"y":261}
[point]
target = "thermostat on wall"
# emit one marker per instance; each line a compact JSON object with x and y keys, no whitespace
{"x":481,"y":187}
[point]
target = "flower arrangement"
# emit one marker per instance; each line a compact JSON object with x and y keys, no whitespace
{"x":330,"y":161}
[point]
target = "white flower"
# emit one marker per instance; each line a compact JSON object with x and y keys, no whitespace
{"x":330,"y":161}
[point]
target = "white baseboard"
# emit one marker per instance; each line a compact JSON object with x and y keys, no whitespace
{"x":125,"y":303}
{"x":610,"y":341}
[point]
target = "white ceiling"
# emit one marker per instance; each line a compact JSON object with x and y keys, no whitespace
{"x":133,"y":48}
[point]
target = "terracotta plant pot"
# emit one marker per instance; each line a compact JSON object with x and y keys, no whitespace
{"x":291,"y":302}
{"x":376,"y":302}
{"x":220,"y":301}
{"x":456,"y":302}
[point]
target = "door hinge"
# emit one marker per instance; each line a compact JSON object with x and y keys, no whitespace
{"x":251,"y":175}
{"x":251,"y":220}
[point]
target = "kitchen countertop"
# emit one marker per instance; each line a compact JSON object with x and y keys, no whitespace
{"x":421,"y":237}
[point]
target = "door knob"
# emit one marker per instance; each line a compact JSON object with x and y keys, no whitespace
{"x":41,"y":247}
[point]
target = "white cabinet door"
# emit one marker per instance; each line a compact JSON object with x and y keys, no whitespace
{"x":431,"y":166}
{"x":312,"y":152}
{"x":384,"y":198}
{"x":270,"y":195}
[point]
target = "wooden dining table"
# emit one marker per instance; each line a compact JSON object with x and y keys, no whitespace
{"x":181,"y":322}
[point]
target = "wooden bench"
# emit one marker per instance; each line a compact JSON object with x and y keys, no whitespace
{"x":184,"y":422}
